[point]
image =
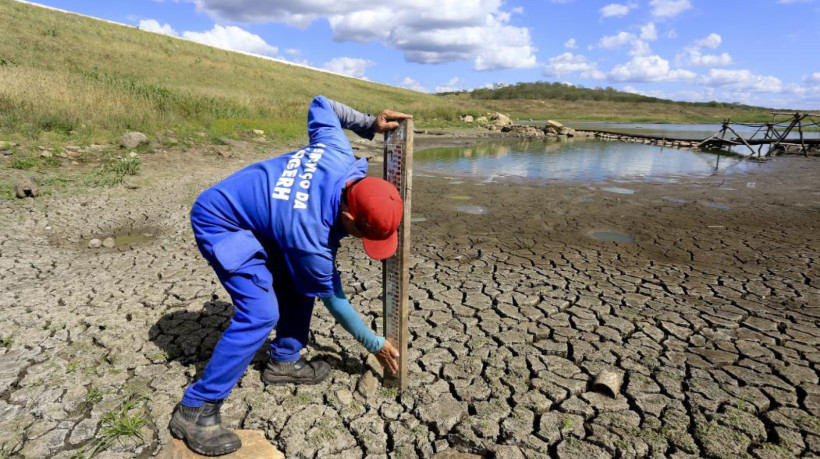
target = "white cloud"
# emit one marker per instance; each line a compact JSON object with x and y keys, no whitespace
{"x":568,"y":63}
{"x":350,"y":66}
{"x":698,"y":59}
{"x":813,"y":79}
{"x":615,"y":10}
{"x":426,"y":31}
{"x":570,"y":44}
{"x":669,"y":8}
{"x":152,"y":25}
{"x":233,"y":38}
{"x":649,"y":32}
{"x":293,"y":52}
{"x":455,"y":84}
{"x":694,"y":55}
{"x":743,"y":80}
{"x":712,"y":41}
{"x":649,"y":69}
{"x":638,"y":46}
{"x":412,"y":84}
{"x":614,"y":41}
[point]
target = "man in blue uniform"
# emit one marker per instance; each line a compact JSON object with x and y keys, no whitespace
{"x":270,"y":232}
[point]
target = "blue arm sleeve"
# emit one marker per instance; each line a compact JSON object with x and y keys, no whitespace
{"x":326,"y":117}
{"x":344,"y":313}
{"x":363,"y":124}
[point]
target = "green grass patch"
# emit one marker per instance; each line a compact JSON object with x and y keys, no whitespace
{"x":124,"y":421}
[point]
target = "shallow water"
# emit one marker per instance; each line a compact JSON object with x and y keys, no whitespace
{"x":717,"y":205}
{"x":615,"y":189}
{"x":573,"y":160}
{"x":472,"y":210}
{"x":611,"y":236}
{"x":681,"y":131}
{"x":126,"y":239}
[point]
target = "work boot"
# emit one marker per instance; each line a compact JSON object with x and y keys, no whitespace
{"x":299,"y":372}
{"x":202,"y":431}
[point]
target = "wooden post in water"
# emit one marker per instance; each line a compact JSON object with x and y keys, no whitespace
{"x":398,"y":170}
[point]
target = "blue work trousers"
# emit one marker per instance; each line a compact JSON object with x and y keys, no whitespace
{"x":263,"y":298}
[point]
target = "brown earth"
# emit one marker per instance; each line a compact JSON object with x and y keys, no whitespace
{"x":711,"y":315}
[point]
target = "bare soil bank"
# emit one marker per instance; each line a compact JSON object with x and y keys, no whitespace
{"x":711,"y":314}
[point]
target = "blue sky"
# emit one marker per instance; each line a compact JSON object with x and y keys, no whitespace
{"x":759,"y":52}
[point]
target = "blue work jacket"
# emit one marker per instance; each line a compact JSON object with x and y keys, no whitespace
{"x":290,"y":203}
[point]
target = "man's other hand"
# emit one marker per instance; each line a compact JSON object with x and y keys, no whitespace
{"x":388,"y":356}
{"x":389,"y":119}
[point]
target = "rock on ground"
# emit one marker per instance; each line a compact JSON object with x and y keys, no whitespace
{"x":133,"y":140}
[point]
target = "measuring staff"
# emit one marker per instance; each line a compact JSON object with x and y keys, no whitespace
{"x":270,"y":232}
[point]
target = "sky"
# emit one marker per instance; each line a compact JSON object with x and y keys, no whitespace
{"x":757,"y":52}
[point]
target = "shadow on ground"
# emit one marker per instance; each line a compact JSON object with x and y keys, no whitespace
{"x":189,"y":337}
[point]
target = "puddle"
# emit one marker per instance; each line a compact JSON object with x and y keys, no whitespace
{"x":126,"y":239}
{"x":585,"y":200}
{"x":677,"y":200}
{"x":417,"y":219}
{"x":718,"y":206}
{"x":472,"y":210}
{"x":456,"y":182}
{"x":459,"y":197}
{"x":615,"y":189}
{"x":611,"y":236}
{"x":417,"y":174}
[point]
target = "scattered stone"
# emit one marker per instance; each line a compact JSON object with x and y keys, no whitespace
{"x":109,"y":242}
{"x":5,"y":146}
{"x":498,"y":119}
{"x":27,"y":188}
{"x":608,"y":383}
{"x":468,"y":118}
{"x":258,"y":132}
{"x":373,"y":364}
{"x":554,"y":124}
{"x":132,"y":140}
{"x":368,"y":384}
{"x":344,"y":396}
{"x":94,"y":244}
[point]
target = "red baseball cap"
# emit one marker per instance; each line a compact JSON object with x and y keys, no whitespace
{"x":377,"y":209}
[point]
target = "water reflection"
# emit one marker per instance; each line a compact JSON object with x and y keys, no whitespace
{"x":682,"y":131}
{"x":611,"y":236}
{"x":573,"y":160}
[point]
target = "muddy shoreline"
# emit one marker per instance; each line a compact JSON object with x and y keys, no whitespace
{"x":711,"y":314}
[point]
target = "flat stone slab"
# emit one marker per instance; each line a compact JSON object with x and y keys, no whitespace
{"x":254,"y":446}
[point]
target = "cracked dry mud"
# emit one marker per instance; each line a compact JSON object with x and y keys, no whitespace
{"x":711,"y":316}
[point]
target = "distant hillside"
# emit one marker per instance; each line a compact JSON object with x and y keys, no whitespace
{"x":605,"y":104}
{"x":563,"y":91}
{"x":62,"y":73}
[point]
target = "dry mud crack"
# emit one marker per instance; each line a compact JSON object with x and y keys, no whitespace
{"x":711,"y":315}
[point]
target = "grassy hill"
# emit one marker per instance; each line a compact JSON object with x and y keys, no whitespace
{"x":64,"y":75}
{"x":67,"y":78}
